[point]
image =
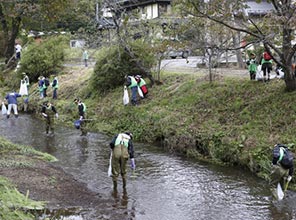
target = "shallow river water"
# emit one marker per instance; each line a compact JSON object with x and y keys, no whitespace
{"x":163,"y":187}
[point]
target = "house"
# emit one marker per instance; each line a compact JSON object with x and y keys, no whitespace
{"x":147,"y":9}
{"x":139,"y":9}
{"x":258,"y":9}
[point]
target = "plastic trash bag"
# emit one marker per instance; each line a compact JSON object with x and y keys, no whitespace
{"x":4,"y":109}
{"x":110,"y":166}
{"x":125,"y":96}
{"x":279,"y":192}
{"x":23,"y":88}
{"x":77,"y":124}
{"x":259,"y":73}
{"x":140,"y":92}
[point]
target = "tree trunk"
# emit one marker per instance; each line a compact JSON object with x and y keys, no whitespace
{"x":290,"y":79}
{"x":290,"y":85}
{"x":5,"y":31}
{"x":236,"y":42}
{"x":10,"y":39}
{"x":210,"y":68}
{"x":287,"y":61}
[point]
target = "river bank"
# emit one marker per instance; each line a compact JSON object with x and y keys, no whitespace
{"x":231,"y":121}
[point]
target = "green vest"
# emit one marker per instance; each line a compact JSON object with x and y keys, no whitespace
{"x":266,"y":61}
{"x":84,"y":107}
{"x":142,"y":82}
{"x":133,"y":82}
{"x":122,"y":139}
{"x":282,"y":150}
{"x":49,"y":111}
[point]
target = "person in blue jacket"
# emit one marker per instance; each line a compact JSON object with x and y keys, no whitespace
{"x":12,"y":103}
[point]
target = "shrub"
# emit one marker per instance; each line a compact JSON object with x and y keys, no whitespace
{"x":114,"y":63}
{"x":43,"y":58}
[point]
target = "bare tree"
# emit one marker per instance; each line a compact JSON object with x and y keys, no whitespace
{"x":120,"y":18}
{"x":274,"y":31}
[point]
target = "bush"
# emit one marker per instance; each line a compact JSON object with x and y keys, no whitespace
{"x":43,"y":58}
{"x":114,"y":63}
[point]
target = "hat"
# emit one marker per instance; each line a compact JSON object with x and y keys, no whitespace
{"x":24,"y":73}
{"x":129,"y":134}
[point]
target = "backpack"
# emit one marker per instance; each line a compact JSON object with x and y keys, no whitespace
{"x":287,"y":159}
{"x":46,"y":81}
{"x":266,"y":56}
{"x":276,"y":152}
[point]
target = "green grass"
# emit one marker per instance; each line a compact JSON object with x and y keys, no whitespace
{"x":14,"y":205}
{"x":232,"y":120}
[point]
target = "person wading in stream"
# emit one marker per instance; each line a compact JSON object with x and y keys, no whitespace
{"x":122,"y":149}
{"x":282,"y":167}
{"x":48,"y":111}
{"x":82,"y":117}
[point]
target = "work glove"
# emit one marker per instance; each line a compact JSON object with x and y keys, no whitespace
{"x":81,"y":118}
{"x":45,"y":115}
{"x":289,"y":178}
{"x":57,"y":115}
{"x":133,"y":164}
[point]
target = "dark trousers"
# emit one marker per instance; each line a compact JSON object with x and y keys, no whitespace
{"x":266,"y":67}
{"x":55,"y":93}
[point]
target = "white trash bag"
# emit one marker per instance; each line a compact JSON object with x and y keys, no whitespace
{"x":259,"y":73}
{"x":279,"y":192}
{"x":23,"y":88}
{"x":4,"y":109}
{"x":140,"y":92}
{"x":110,"y":166}
{"x":125,"y":96}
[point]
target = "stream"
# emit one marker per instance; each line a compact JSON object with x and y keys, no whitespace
{"x":163,"y":187}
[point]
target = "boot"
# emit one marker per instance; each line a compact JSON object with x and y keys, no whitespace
{"x":124,"y":183}
{"x":114,"y":185}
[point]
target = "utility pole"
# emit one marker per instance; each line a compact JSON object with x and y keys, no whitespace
{"x":97,"y":11}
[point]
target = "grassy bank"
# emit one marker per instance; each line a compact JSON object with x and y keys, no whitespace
{"x":231,"y":121}
{"x":14,"y":205}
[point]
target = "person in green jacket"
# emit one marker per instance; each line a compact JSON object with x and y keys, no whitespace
{"x":252,"y":66}
{"x":122,"y":149}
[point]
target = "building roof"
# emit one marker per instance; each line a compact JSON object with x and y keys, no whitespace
{"x":134,"y":4}
{"x":258,"y":8}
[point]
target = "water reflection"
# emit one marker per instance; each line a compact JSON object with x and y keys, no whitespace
{"x":50,"y":144}
{"x":163,"y":187}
